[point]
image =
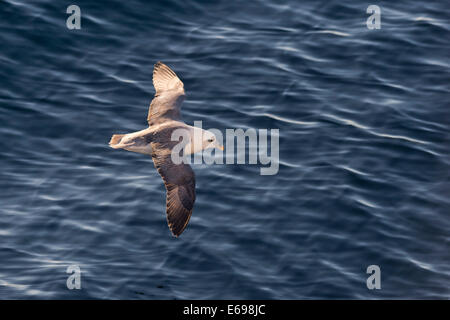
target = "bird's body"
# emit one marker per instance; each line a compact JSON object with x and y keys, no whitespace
{"x":164,"y":118}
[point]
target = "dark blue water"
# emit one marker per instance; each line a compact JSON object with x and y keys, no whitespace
{"x":364,"y":163}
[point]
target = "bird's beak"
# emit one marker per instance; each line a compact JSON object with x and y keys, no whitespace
{"x":220,"y":147}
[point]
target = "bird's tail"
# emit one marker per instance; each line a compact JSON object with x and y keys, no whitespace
{"x":115,"y":139}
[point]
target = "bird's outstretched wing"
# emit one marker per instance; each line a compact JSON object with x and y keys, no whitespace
{"x":179,"y":180}
{"x":169,"y":95}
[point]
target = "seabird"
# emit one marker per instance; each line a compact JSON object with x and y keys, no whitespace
{"x":164,"y":117}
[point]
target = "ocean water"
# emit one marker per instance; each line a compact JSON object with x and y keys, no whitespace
{"x":363,"y":118}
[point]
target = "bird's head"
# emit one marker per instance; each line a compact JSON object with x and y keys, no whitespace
{"x":209,"y":140}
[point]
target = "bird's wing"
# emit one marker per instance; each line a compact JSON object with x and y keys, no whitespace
{"x":179,"y":180}
{"x":169,"y":95}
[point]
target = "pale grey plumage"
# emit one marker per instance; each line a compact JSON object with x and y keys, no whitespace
{"x":168,"y":98}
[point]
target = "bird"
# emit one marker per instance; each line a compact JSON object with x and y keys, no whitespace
{"x":164,"y":117}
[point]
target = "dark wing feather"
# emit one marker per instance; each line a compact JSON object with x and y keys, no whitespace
{"x":169,"y":95}
{"x":179,"y":180}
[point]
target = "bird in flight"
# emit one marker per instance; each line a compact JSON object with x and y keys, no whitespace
{"x":164,"y":117}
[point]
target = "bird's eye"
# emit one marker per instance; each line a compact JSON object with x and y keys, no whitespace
{"x":211,"y":140}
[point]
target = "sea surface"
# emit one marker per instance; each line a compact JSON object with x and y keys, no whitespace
{"x":364,"y":150}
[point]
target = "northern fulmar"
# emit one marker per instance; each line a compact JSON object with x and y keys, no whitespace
{"x":163,"y":119}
